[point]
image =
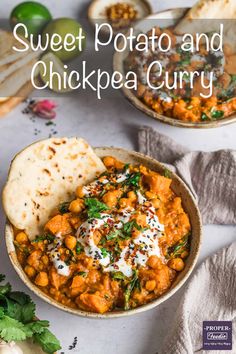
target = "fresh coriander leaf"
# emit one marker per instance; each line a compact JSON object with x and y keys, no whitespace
{"x":126,"y":167}
{"x":217,"y":114}
{"x":5,"y":289}
{"x":204,"y":117}
{"x":95,"y":207}
{"x":117,"y":248}
{"x":37,"y":326}
{"x":113,"y":234}
{"x":28,"y":312}
{"x":129,"y":226}
{"x":130,"y":287}
{"x":178,"y":248}
{"x":64,"y":207}
{"x":13,"y":330}
{"x":19,"y":306}
{"x":47,"y":341}
{"x":2,"y":277}
{"x":104,"y":252}
{"x":1,"y":312}
{"x":133,"y":179}
{"x":118,"y":276}
{"x":78,"y":248}
{"x":42,"y":238}
{"x":12,"y":309}
{"x":82,"y":274}
{"x":20,"y":297}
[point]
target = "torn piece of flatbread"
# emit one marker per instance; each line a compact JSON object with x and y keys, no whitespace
{"x":9,"y":103}
{"x":14,"y":82}
{"x":7,"y":53}
{"x":8,"y":69}
{"x":207,"y":15}
{"x":206,"y":10}
{"x":42,"y":176}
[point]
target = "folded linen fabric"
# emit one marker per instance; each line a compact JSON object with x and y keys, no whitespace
{"x":211,"y":176}
{"x":209,"y":296}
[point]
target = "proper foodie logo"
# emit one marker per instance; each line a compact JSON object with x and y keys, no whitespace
{"x":217,"y":335}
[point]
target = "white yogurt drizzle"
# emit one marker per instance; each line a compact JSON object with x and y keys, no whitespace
{"x":94,"y":188}
{"x":138,"y":251}
{"x":85,"y":237}
{"x":54,"y":254}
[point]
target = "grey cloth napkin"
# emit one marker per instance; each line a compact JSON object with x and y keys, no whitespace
{"x":211,"y":176}
{"x":210,"y":296}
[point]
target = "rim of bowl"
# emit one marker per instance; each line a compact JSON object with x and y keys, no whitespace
{"x":118,"y":60}
{"x":9,"y":238}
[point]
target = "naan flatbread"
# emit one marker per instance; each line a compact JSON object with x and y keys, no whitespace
{"x":14,"y":82}
{"x":206,"y":9}
{"x":42,"y":176}
{"x":8,"y":69}
{"x":9,"y":103}
{"x":7,"y":54}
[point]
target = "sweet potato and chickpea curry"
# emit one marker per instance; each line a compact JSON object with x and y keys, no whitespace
{"x":118,"y":245}
{"x":185,"y":103}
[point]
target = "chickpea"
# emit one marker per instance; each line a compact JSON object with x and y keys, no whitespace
{"x":125,"y":202}
{"x":156,"y":203}
{"x":41,"y":279}
{"x":184,"y":254}
{"x":119,"y":165}
{"x":30,"y":271}
{"x":150,"y":195}
{"x":153,"y":262}
{"x":97,"y":237}
{"x":150,"y":285}
{"x":21,"y":237}
{"x":76,"y":206}
{"x":176,"y":264}
{"x":111,"y":198}
{"x":70,"y":242}
{"x":45,"y":259}
{"x":109,"y":161}
{"x":75,"y":222}
{"x":132,"y":196}
{"x":79,"y":192}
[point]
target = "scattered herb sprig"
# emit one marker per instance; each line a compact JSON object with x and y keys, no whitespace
{"x":133,"y":179}
{"x":179,"y":248}
{"x":130,"y":288}
{"x":46,"y":237}
{"x":95,"y":207}
{"x":18,"y":321}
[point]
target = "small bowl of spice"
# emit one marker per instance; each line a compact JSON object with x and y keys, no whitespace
{"x":119,"y":14}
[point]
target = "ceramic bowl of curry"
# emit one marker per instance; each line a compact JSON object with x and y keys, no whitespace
{"x":124,"y":270}
{"x":183,"y":106}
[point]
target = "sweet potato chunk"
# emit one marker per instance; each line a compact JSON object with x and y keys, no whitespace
{"x":158,"y":184}
{"x":34,"y":259}
{"x":59,"y":224}
{"x":56,"y":279}
{"x":94,"y":302}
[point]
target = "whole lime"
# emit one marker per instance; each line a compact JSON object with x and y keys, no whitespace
{"x":32,"y":14}
{"x":68,"y":35}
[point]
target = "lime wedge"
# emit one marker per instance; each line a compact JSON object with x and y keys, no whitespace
{"x":54,"y":73}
